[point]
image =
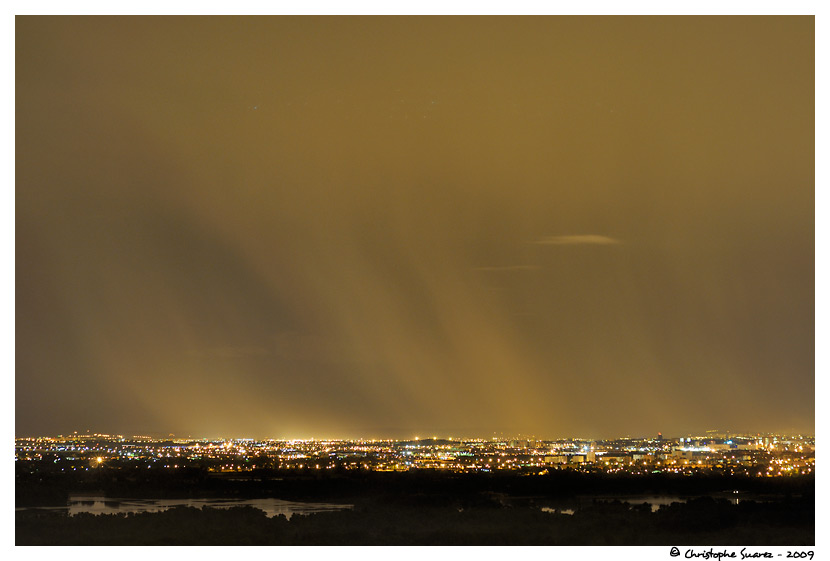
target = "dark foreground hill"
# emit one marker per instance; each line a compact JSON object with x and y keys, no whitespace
{"x":425,"y":508}
{"x":702,"y":521}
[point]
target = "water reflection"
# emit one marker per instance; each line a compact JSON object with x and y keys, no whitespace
{"x":271,"y":507}
{"x":568,"y":511}
{"x":654,"y":501}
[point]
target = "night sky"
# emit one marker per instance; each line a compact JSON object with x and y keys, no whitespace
{"x":298,"y":227}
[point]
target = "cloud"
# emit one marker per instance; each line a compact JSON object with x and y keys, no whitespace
{"x":509,"y":268}
{"x":583,"y":239}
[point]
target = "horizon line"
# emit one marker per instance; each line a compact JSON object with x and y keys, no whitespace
{"x":516,"y":436}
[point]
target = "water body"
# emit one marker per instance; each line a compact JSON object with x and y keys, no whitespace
{"x":568,"y":511}
{"x":654,"y":501}
{"x":78,"y":504}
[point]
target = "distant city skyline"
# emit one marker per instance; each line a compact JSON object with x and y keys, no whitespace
{"x":732,"y":455}
{"x":423,"y":435}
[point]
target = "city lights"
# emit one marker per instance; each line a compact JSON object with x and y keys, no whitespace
{"x":761,"y":456}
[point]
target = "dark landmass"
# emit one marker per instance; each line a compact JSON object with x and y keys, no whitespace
{"x":421,"y":508}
